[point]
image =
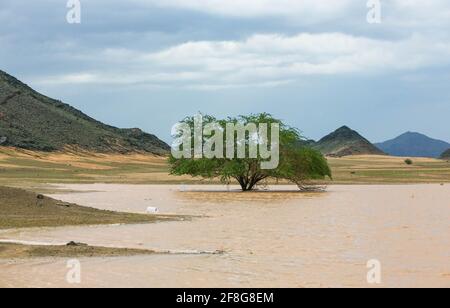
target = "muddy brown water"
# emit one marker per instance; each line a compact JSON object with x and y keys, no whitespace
{"x":276,"y":238}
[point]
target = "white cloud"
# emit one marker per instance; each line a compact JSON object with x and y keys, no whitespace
{"x":261,"y":60}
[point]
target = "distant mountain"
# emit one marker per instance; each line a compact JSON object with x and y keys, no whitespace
{"x":33,"y":121}
{"x":446,"y":154}
{"x":414,"y":145}
{"x":346,"y":142}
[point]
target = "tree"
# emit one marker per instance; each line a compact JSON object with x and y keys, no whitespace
{"x":297,"y":163}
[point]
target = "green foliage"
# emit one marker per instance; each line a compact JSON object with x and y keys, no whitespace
{"x":409,"y":161}
{"x":298,"y":164}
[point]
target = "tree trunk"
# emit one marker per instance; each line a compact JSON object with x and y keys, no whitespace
{"x":249,"y":183}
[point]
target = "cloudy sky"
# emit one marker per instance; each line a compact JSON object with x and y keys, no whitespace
{"x":318,"y":64}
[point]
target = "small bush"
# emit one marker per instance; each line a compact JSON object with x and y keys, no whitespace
{"x":408,"y":161}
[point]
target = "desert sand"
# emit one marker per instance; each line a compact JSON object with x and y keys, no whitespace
{"x":32,"y":169}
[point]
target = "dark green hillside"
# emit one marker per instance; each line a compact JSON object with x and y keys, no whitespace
{"x":33,"y":121}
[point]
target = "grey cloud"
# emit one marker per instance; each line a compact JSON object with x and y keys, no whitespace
{"x":36,"y":44}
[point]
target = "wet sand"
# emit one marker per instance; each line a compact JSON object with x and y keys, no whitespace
{"x":271,"y":239}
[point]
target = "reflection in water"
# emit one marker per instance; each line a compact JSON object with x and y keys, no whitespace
{"x":258,"y":197}
{"x":278,"y":238}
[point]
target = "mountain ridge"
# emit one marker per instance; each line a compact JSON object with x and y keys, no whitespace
{"x":413,"y":144}
{"x":33,"y":121}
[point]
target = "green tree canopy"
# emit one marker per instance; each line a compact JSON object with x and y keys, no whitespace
{"x":297,"y":163}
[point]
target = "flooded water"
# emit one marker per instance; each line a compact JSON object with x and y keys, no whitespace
{"x":276,"y":238}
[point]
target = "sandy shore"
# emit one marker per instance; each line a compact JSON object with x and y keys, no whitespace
{"x":24,"y":209}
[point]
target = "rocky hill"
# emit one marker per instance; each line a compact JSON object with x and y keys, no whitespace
{"x":30,"y":120}
{"x":346,"y":142}
{"x":446,"y":154}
